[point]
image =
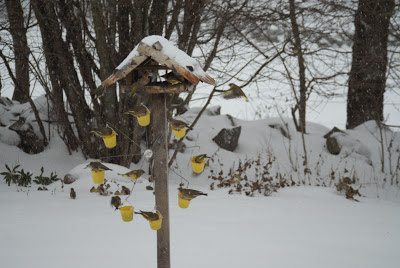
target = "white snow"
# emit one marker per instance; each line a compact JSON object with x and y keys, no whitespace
{"x":299,"y":226}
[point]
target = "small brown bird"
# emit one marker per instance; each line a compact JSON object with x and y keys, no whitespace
{"x":148,"y":215}
{"x":134,"y":174}
{"x":103,"y":131}
{"x":116,"y":202}
{"x":173,"y":78}
{"x":233,"y":93}
{"x":200,"y":158}
{"x":179,"y":124}
{"x":139,"y":110}
{"x":97,"y":166}
{"x":72,"y":193}
{"x":190,"y":193}
{"x":141,"y":82}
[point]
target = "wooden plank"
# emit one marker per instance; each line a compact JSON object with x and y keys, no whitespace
{"x":166,"y":88}
{"x":121,"y":73}
{"x":160,"y":173}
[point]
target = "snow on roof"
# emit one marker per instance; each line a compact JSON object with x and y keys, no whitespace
{"x":164,"y":52}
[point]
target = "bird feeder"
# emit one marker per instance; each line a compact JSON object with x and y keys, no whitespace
{"x":179,"y":133}
{"x":98,"y":176}
{"x":156,"y":225}
{"x":126,"y":213}
{"x":144,"y":120}
{"x":183,"y":202}
{"x":110,"y":141}
{"x":197,"y":167}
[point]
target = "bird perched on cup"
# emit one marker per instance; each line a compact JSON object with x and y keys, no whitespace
{"x":72,"y":193}
{"x":148,"y":215}
{"x":116,"y":202}
{"x":97,"y":166}
{"x":200,"y":158}
{"x":189,"y":194}
{"x":173,"y":78}
{"x":234,"y":92}
{"x":134,"y":174}
{"x":179,"y":124}
{"x":103,"y":131}
{"x":138,"y":110}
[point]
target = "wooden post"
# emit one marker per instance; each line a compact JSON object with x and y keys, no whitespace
{"x":160,"y":173}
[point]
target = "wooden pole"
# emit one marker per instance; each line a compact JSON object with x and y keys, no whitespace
{"x":160,"y":173}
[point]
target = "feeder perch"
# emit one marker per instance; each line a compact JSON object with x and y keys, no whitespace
{"x":183,"y":202}
{"x":179,"y":133}
{"x":156,"y":225}
{"x":197,"y":167}
{"x":110,"y":141}
{"x":98,"y":176}
{"x":126,"y":213}
{"x":145,"y":119}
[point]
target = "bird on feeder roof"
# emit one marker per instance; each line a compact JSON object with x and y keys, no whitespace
{"x":97,"y":166}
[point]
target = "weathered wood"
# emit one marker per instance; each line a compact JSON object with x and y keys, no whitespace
{"x":165,"y":60}
{"x":152,"y":67}
{"x":160,"y":173}
{"x":164,"y":87}
{"x":121,"y":72}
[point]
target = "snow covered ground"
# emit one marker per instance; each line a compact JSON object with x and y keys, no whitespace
{"x":299,"y":226}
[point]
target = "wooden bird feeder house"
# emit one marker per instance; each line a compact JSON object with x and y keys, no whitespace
{"x":169,"y":58}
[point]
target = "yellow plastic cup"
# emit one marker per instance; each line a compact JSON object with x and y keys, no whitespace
{"x":156,"y":225}
{"x":179,"y":133}
{"x":98,"y":177}
{"x":110,"y":141}
{"x":197,"y":167}
{"x":126,"y":213}
{"x":145,"y":119}
{"x":183,"y":203}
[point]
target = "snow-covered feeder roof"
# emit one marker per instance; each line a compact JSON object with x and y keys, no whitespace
{"x":165,"y":53}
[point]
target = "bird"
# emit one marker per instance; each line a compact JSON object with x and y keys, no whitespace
{"x":148,"y":215}
{"x":179,"y":124}
{"x":200,"y":158}
{"x":234,"y":92}
{"x":173,"y":78}
{"x":72,"y":193}
{"x":134,"y":174}
{"x":103,"y":131}
{"x":116,"y":202}
{"x":190,"y":193}
{"x":97,"y":166}
{"x":138,"y":110}
{"x":141,"y":82}
{"x":98,"y":92}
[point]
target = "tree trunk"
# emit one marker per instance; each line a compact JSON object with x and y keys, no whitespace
{"x":21,"y":50}
{"x":368,"y":70}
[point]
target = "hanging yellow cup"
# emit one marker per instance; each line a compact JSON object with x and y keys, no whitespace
{"x":110,"y":141}
{"x":98,"y":176}
{"x":156,"y":225}
{"x":197,"y":167}
{"x":183,"y":203}
{"x":179,"y":133}
{"x":145,"y":119}
{"x":126,"y":213}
